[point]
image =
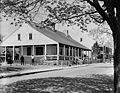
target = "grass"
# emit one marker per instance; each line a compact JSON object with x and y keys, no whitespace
{"x":88,"y":84}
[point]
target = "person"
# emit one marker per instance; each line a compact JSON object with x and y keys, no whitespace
{"x":17,"y":58}
{"x":32,"y":57}
{"x":22,"y":60}
{"x":9,"y":60}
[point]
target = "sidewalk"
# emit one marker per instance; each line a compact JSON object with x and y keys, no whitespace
{"x":30,"y":69}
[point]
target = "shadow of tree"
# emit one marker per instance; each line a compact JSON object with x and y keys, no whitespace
{"x":88,"y":84}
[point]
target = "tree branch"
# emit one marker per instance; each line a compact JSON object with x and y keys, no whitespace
{"x":87,"y":13}
{"x":97,"y":6}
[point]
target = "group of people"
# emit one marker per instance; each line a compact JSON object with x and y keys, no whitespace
{"x":22,"y":59}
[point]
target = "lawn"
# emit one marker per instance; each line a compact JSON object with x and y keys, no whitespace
{"x":88,"y":84}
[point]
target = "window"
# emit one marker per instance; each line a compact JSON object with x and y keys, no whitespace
{"x":18,"y":36}
{"x":30,"y":36}
{"x":28,"y":51}
{"x":39,"y":50}
{"x":52,"y":49}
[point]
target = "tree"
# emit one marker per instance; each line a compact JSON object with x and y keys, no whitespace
{"x":102,"y":35}
{"x":80,"y":12}
{"x":95,"y":50}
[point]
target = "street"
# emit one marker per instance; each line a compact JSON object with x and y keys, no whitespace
{"x":81,"y":71}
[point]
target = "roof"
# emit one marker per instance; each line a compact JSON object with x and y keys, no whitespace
{"x":58,"y":36}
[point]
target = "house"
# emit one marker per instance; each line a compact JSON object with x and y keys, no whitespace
{"x":101,"y":52}
{"x":105,"y":53}
{"x":46,"y":44}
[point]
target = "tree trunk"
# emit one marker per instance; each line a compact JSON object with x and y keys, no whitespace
{"x":116,"y":37}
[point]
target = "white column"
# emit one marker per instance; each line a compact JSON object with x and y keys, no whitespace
{"x":69,"y":50}
{"x":75,"y":52}
{"x":33,"y":50}
{"x":72,"y":53}
{"x":64,"y":52}
{"x":13,"y":52}
{"x":5,"y":53}
{"x":78,"y":52}
{"x":45,"y":51}
{"x":82,"y":53}
{"x":86,"y":53}
{"x":21,"y":50}
{"x":58,"y":51}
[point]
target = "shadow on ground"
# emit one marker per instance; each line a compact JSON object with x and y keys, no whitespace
{"x":88,"y":84}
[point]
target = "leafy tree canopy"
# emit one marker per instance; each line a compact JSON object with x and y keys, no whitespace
{"x":79,"y":12}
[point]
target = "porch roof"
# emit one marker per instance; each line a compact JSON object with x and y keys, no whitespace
{"x":58,"y":36}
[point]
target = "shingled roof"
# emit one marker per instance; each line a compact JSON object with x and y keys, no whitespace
{"x":58,"y":36}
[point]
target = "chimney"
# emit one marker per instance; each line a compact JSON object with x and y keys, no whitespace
{"x":81,"y":39}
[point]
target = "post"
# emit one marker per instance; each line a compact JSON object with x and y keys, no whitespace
{"x":33,"y":52}
{"x":72,"y":53}
{"x":21,"y":50}
{"x":13,"y":53}
{"x":78,"y":53}
{"x":58,"y":51}
{"x":69,"y":52}
{"x":64,"y":52}
{"x":75,"y":52}
{"x":82,"y":54}
{"x":5,"y":53}
{"x":45,"y":51}
{"x":88,"y":55}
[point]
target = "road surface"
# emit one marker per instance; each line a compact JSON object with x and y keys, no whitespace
{"x":100,"y":68}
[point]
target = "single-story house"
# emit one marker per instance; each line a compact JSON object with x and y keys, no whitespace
{"x":47,"y":45}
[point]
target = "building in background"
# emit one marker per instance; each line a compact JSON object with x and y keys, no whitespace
{"x":105,"y":54}
{"x":101,"y":53}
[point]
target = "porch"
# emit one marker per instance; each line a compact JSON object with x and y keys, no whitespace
{"x":58,"y":54}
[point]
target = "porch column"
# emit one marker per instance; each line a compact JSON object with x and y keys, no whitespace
{"x":69,"y":52}
{"x":5,"y":53}
{"x":72,"y":53}
{"x":86,"y":53}
{"x":89,"y":54}
{"x":45,"y":51}
{"x":64,"y":52}
{"x":21,"y":50}
{"x":75,"y":52}
{"x":33,"y":50}
{"x":82,"y":54}
{"x":58,"y":51}
{"x":13,"y":52}
{"x":78,"y":52}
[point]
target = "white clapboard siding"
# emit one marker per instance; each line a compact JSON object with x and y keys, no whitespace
{"x":37,"y":37}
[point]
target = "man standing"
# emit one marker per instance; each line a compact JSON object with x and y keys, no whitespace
{"x":22,"y":60}
{"x":32,"y":57}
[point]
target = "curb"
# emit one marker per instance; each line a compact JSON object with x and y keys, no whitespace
{"x":28,"y":73}
{"x":34,"y":72}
